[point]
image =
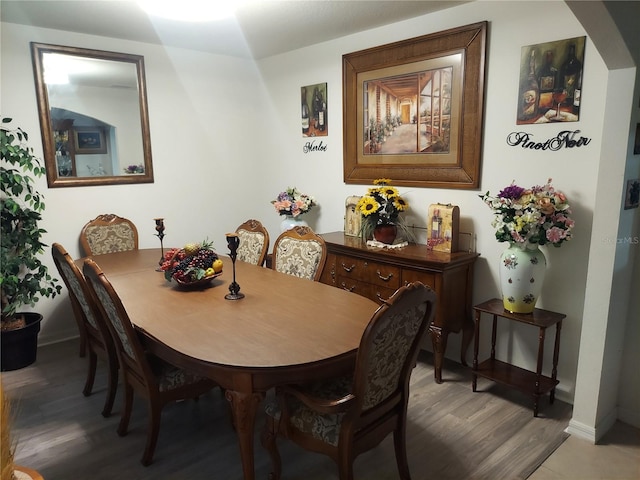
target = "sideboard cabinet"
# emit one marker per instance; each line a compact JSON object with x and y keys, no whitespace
{"x":376,"y":273}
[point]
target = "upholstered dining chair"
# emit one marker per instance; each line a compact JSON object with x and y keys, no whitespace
{"x":254,"y":242}
{"x":157,"y":381}
{"x":108,"y":233}
{"x":94,"y":333}
{"x":300,"y":252}
{"x":344,"y":417}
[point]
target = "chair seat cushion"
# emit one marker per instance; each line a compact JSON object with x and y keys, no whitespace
{"x":170,"y":377}
{"x":324,"y":427}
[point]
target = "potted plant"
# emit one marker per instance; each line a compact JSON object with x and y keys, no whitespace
{"x":23,"y":277}
{"x":380,"y":209}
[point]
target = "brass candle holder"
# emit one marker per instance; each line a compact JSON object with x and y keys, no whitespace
{"x":234,"y":289}
{"x":160,"y":235}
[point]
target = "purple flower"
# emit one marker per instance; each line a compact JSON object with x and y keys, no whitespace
{"x":512,"y":191}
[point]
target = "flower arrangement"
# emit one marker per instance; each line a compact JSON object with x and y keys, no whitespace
{"x":538,"y":215}
{"x":292,"y":202}
{"x":382,"y":205}
{"x":134,"y":169}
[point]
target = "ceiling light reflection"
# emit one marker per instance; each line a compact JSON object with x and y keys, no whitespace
{"x":191,"y":10}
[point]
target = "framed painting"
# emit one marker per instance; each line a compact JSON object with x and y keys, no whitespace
{"x":413,"y":110}
{"x":551,"y":82}
{"x":89,"y":140}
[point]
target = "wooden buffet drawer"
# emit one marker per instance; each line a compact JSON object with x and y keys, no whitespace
{"x":380,"y":274}
{"x":373,"y":292}
{"x":410,"y":276}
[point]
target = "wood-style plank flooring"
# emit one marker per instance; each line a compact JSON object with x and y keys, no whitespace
{"x":453,"y":433}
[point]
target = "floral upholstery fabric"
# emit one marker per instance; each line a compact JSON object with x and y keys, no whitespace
{"x":250,"y":247}
{"x":167,"y":376}
{"x":324,"y":427}
{"x":77,"y":291}
{"x":110,"y":238}
{"x":170,"y":377}
{"x":113,"y":317}
{"x":298,"y":258}
{"x":393,"y":338}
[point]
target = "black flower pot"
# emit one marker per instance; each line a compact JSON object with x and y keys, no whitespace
{"x":19,"y":346}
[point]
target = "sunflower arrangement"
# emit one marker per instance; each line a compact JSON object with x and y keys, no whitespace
{"x":382,"y":205}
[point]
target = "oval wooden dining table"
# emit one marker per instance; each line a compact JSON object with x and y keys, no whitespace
{"x":285,"y":329}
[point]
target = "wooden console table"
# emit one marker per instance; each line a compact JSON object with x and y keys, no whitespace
{"x":533,"y":383}
{"x":376,"y":273}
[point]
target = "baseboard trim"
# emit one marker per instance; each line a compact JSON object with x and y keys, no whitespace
{"x":592,"y":434}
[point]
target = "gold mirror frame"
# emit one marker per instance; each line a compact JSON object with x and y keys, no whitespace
{"x":54,"y":179}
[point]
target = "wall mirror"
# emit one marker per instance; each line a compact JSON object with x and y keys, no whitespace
{"x":93,"y":116}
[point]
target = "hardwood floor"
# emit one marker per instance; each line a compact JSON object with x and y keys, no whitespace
{"x":453,"y":433}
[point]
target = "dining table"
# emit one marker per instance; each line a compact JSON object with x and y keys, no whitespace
{"x":285,"y":330}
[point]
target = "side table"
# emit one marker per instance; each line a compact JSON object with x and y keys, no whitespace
{"x":533,"y":383}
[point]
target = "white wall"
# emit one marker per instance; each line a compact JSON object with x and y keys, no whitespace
{"x":208,"y":138}
{"x":226,"y":139}
{"x":564,"y":287}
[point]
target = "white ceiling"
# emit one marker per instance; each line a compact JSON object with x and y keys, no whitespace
{"x":260,"y":29}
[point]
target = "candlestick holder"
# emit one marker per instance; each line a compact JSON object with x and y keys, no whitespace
{"x":234,"y":289}
{"x":160,"y":235}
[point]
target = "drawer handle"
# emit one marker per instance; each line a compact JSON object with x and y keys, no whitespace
{"x":348,"y":289}
{"x":381,"y":277}
{"x":382,"y":300}
{"x":348,"y":269}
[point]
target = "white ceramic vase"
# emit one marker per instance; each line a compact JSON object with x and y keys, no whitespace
{"x":522,"y":271}
{"x":289,"y":222}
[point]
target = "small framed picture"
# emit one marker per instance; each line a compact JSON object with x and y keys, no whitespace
{"x":632,"y":194}
{"x":352,"y":218}
{"x":89,"y":140}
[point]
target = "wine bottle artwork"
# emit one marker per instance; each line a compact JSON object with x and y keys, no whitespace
{"x":550,"y":82}
{"x":305,"y":112}
{"x":547,"y":81}
{"x":569,"y":72}
{"x":529,"y":93}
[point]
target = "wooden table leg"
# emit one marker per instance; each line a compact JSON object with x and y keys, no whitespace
{"x":467,"y":335}
{"x":474,"y":376}
{"x":536,"y":394}
{"x":439,"y":341}
{"x":556,"y":354}
{"x":244,"y":407}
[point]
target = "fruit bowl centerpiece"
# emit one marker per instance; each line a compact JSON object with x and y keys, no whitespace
{"x":195,"y":264}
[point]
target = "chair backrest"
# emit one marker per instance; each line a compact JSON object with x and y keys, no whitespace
{"x":82,"y":301}
{"x":254,"y":242}
{"x":300,"y":252}
{"x":108,"y":233}
{"x":131,"y":355}
{"x":389,"y":347}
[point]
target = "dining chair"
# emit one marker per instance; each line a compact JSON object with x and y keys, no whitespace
{"x":346,"y":416}
{"x":108,"y":233}
{"x":254,"y":242}
{"x":157,"y":381}
{"x":300,"y":252}
{"x":94,"y":333}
